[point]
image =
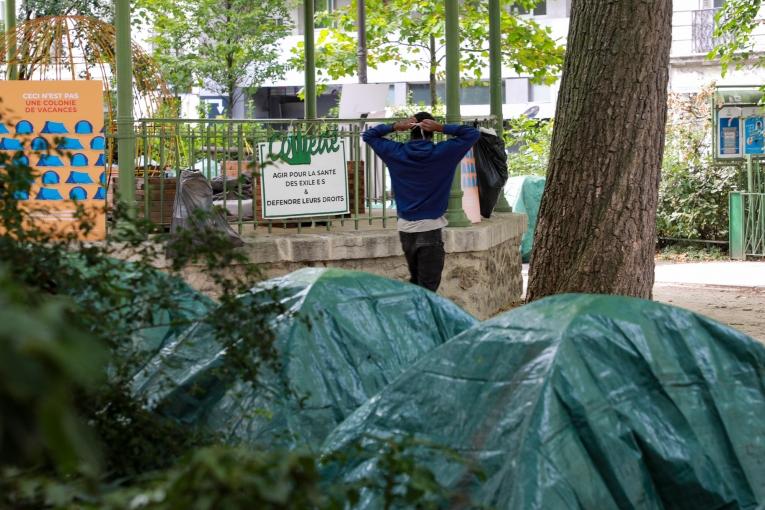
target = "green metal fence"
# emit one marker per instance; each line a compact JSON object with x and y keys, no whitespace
{"x":747,"y":215}
{"x":225,"y":151}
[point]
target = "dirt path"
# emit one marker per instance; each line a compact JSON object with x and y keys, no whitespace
{"x":740,"y":307}
{"x":730,"y":292}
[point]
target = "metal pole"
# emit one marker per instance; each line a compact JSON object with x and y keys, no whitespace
{"x":361,"y":21}
{"x":125,"y":134}
{"x":10,"y":30}
{"x":454,"y":213}
{"x":495,"y":81}
{"x":310,"y":61}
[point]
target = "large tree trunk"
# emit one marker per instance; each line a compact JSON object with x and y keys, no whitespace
{"x":596,"y":229}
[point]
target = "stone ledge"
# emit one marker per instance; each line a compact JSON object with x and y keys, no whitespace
{"x":377,"y":243}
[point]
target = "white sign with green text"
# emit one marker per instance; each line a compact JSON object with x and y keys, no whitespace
{"x":303,"y":175}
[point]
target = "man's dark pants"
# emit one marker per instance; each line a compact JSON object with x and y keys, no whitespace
{"x":424,"y":252}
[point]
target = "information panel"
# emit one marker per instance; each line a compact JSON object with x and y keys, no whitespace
{"x":753,"y":136}
{"x":730,"y":133}
{"x":56,"y":127}
{"x":303,"y":175}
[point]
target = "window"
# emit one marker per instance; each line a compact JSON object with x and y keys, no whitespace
{"x":420,"y":92}
{"x":390,"y":99}
{"x":539,"y":10}
{"x":319,"y":6}
{"x":718,"y":3}
{"x":539,"y":93}
{"x":469,"y":94}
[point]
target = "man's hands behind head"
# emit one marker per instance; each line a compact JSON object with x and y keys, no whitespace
{"x":405,"y":125}
{"x":431,"y":125}
{"x":428,"y":125}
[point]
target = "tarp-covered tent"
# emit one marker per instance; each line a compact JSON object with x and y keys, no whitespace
{"x":582,"y":401}
{"x":155,"y":305}
{"x":343,"y":337}
{"x":524,"y":194}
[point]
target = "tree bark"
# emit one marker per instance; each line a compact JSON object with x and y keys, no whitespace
{"x":596,"y":229}
{"x":432,"y":73}
{"x":361,"y":25}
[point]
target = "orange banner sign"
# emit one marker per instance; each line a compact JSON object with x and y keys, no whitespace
{"x":56,"y":127}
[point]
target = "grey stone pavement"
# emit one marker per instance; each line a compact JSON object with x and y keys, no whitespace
{"x":731,"y":292}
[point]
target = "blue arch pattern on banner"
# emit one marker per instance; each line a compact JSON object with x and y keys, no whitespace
{"x":100,"y":161}
{"x":9,"y":144}
{"x":102,"y":178}
{"x":24,"y":127}
{"x":48,"y":194}
{"x":100,"y":194}
{"x":21,"y":195}
{"x":83,"y":127}
{"x":78,"y":193}
{"x":54,"y":127}
{"x":79,"y":178}
{"x":40,"y":144}
{"x":50,"y":177}
{"x":21,"y":160}
{"x":70,"y":144}
{"x":98,"y":143}
{"x":3,"y":129}
{"x":79,"y":160}
{"x":49,"y":160}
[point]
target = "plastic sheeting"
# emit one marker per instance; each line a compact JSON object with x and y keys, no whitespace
{"x":161,"y":306}
{"x":582,"y":401}
{"x":524,"y":194}
{"x":344,"y":336}
{"x":193,"y":208}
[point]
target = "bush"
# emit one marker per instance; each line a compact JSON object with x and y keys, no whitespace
{"x":693,"y":193}
{"x":528,"y":141}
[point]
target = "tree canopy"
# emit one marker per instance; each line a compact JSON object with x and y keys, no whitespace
{"x":734,"y":24}
{"x":102,"y":9}
{"x":410,"y":33}
{"x":225,"y":46}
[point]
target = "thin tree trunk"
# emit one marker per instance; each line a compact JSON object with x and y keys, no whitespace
{"x":596,"y":230}
{"x":362,"y":39}
{"x":432,"y":74}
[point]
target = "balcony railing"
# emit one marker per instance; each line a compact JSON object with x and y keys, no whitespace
{"x":703,"y":28}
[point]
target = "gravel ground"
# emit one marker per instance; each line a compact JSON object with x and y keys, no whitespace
{"x":740,"y":307}
{"x":727,"y":291}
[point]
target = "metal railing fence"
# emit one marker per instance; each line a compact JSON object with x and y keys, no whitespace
{"x":747,"y":214}
{"x":225,"y":151}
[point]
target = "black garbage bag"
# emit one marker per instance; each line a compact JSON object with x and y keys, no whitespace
{"x":491,"y":167}
{"x":193,"y":208}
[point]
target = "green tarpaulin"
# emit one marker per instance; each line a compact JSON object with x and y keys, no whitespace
{"x":524,"y":194}
{"x":582,"y":401}
{"x":344,"y":337}
{"x":156,"y":306}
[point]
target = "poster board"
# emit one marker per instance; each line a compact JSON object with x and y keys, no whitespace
{"x":303,"y":175}
{"x":729,"y":133}
{"x":359,"y":99}
{"x":57,"y":128}
{"x":739,"y":122}
{"x":753,"y":135}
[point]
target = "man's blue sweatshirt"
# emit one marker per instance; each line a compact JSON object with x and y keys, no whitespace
{"x":421,"y":171}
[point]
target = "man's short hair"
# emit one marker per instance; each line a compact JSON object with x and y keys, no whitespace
{"x":419,"y":134}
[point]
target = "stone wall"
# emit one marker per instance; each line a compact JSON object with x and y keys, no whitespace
{"x":482,"y":273}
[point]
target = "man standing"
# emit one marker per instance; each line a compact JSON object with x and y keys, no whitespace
{"x":421,"y":173}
